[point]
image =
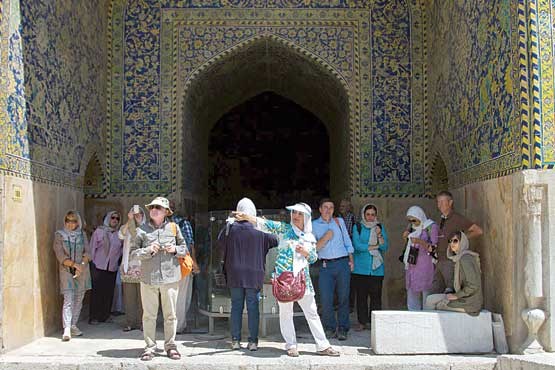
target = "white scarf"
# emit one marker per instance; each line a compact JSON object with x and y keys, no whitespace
{"x":418,"y":213}
{"x":306,"y":239}
{"x":245,"y":205}
{"x":129,"y":234}
{"x":377,"y":258}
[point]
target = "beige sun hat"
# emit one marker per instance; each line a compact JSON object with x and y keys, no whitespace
{"x":160,"y":201}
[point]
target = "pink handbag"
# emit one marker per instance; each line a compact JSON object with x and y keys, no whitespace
{"x":289,"y":288}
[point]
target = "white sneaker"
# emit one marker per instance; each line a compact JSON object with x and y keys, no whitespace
{"x":67,"y":334}
{"x":75,"y":331}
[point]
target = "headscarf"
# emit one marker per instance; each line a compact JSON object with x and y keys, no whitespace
{"x":464,"y":248}
{"x":377,"y":258}
{"x":245,"y":205}
{"x":72,"y":235}
{"x":106,"y":222}
{"x":418,"y":213}
{"x":109,"y":229}
{"x":127,"y":242}
{"x":370,"y":225}
{"x":305,"y":236}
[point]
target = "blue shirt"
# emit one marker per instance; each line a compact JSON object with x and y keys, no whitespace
{"x":339,"y":245}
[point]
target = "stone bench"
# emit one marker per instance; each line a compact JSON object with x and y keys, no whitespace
{"x":430,"y":332}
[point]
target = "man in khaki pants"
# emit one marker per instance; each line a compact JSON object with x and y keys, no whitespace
{"x":159,"y":245}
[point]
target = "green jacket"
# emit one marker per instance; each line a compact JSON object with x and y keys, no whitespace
{"x":470,"y":294}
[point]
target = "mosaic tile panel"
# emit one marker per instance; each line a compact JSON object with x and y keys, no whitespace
{"x":54,"y":94}
{"x":475,"y":111}
{"x":546,"y":133}
{"x":384,"y":76}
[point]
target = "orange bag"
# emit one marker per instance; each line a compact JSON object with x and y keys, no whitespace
{"x":185,"y":263}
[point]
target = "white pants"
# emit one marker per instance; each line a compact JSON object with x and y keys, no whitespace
{"x":415,"y":299}
{"x":149,"y":297}
{"x":73,"y":301}
{"x":184,"y":301}
{"x":308,"y":305}
{"x":439,"y":302}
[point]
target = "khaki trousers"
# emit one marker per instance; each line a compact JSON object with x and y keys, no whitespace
{"x":168,"y":296}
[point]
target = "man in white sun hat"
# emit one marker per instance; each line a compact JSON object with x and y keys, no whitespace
{"x":159,"y":244}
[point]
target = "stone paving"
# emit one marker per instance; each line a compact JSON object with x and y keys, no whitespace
{"x":106,"y":346}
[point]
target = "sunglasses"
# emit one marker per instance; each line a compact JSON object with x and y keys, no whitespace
{"x":453,"y":241}
{"x":115,"y":218}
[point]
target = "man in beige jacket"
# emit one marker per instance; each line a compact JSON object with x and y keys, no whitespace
{"x":159,"y":244}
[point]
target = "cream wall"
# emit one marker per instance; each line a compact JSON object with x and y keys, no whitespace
{"x":31,"y":301}
{"x":498,"y":206}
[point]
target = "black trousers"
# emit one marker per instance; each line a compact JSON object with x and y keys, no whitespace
{"x":103,"y":283}
{"x":367,"y":286}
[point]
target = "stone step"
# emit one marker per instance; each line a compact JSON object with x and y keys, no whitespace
{"x":106,"y":346}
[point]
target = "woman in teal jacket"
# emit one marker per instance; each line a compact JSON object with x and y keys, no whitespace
{"x":370,"y":242}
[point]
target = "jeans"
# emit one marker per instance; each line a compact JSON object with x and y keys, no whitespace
{"x":335,"y":276}
{"x":238,"y":296}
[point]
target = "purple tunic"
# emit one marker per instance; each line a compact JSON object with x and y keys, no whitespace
{"x":419,"y":277}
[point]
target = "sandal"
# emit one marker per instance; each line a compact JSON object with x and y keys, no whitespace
{"x":292,"y":352}
{"x":173,"y":354}
{"x":147,"y":356}
{"x":329,"y":352}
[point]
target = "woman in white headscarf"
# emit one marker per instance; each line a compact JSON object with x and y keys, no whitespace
{"x":73,"y":253}
{"x":421,"y":240}
{"x":467,"y":280}
{"x":130,"y":269}
{"x":370,"y":242}
{"x":296,"y":250}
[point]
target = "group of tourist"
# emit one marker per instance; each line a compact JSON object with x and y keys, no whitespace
{"x":436,"y":258}
{"x":144,"y":251}
{"x":441,"y":271}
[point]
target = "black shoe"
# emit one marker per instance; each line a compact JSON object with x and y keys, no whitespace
{"x":331,"y":334}
{"x":342,"y":335}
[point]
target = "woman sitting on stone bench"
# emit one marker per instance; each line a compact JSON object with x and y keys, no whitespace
{"x":467,"y":280}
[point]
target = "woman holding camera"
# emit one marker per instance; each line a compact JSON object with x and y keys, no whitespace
{"x":421,"y":240}
{"x":73,"y":253}
{"x":370,"y":242}
{"x":130,"y":269}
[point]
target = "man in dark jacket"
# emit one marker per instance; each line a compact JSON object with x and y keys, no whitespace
{"x":244,"y":252}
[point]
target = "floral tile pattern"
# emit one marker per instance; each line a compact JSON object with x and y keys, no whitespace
{"x":368,"y":44}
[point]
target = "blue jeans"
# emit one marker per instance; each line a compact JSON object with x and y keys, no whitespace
{"x":335,"y":276}
{"x":238,"y":296}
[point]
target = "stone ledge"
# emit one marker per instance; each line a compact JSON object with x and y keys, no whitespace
{"x":540,"y":361}
{"x":431,"y":332}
